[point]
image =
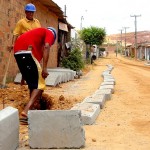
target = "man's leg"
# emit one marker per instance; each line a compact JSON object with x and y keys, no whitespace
{"x":34,"y":95}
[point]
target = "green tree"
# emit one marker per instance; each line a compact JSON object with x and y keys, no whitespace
{"x":93,"y":35}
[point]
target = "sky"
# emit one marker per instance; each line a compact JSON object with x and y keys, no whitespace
{"x":113,"y":15}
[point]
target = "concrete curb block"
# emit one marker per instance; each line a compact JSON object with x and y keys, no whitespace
{"x":53,"y":79}
{"x":9,"y":129}
{"x":96,"y":99}
{"x":110,"y":80}
{"x":108,"y":87}
{"x":106,"y":92}
{"x":89,"y":112}
{"x":55,"y":129}
{"x":70,"y":73}
{"x":107,"y":83}
{"x":56,"y":76}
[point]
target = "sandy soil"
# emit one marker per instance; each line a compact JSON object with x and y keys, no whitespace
{"x":124,"y":122}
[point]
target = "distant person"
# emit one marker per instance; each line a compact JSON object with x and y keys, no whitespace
{"x":104,"y":54}
{"x":29,"y":49}
{"x":93,"y":53}
{"x":25,"y":24}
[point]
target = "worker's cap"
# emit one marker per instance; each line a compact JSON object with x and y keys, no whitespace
{"x":30,"y":7}
{"x":53,"y":31}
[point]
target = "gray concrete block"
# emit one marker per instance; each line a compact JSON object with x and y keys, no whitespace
{"x":70,"y":72}
{"x":96,"y":99}
{"x":89,"y":112}
{"x":110,"y":66}
{"x":107,"y":83}
{"x":105,"y":73}
{"x":107,"y":93}
{"x":55,"y":129}
{"x":53,"y":79}
{"x":110,"y":80}
{"x":56,"y":76}
{"x":9,"y":129}
{"x":108,"y":77}
{"x":108,"y":87}
{"x":101,"y":98}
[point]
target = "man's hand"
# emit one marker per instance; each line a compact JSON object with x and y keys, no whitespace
{"x":22,"y":82}
{"x":44,"y":73}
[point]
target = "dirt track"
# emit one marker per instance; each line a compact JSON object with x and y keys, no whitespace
{"x":124,"y":122}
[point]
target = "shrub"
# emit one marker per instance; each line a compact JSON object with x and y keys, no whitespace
{"x":74,"y":60}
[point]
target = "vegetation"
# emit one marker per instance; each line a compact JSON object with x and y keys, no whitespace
{"x":102,"y":49}
{"x":93,"y":35}
{"x":90,"y":36}
{"x":74,"y":60}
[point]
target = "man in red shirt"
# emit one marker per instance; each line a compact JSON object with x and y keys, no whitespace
{"x":29,"y":49}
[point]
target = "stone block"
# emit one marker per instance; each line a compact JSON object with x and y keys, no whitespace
{"x":9,"y":129}
{"x":89,"y":112}
{"x":108,"y":87}
{"x":107,"y":93}
{"x":55,"y":129}
{"x":96,"y":99}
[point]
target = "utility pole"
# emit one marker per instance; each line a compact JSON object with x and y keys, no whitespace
{"x":117,"y":47}
{"x":82,"y":18}
{"x":135,"y":36}
{"x":125,"y":28}
{"x":65,"y":10}
{"x":121,"y":40}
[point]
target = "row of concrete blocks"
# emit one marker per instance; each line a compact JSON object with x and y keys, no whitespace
{"x":92,"y":105}
{"x":55,"y":128}
{"x":47,"y":129}
{"x":56,"y":76}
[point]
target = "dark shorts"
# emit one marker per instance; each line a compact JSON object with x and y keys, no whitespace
{"x":93,"y":57}
{"x":30,"y":70}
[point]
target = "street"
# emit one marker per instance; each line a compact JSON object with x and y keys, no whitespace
{"x":124,"y":122}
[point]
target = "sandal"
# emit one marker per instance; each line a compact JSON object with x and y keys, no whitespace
{"x":24,"y":121}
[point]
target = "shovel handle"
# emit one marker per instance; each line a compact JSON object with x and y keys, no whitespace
{"x":6,"y":71}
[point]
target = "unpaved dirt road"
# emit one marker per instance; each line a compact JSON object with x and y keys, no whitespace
{"x":124,"y":122}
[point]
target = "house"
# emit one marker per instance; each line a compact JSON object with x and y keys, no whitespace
{"x":48,"y":13}
{"x":143,"y":51}
{"x":128,"y":44}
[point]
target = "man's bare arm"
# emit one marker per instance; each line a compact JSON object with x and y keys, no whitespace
{"x":45,"y":60}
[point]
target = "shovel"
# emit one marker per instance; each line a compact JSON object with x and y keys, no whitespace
{"x":6,"y":71}
{"x":5,"y":76}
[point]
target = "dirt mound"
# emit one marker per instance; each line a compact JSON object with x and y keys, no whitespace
{"x":18,"y":96}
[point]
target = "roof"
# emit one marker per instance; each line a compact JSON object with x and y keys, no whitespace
{"x":52,"y":6}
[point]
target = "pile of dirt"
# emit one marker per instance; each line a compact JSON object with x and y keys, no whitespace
{"x":17,"y":96}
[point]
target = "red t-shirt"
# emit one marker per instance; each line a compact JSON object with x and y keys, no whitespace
{"x":37,"y":38}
